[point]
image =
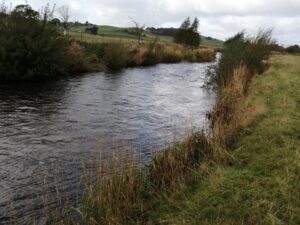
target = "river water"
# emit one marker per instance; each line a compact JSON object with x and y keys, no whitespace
{"x":48,"y":129}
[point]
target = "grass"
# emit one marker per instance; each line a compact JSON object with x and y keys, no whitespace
{"x":259,"y":182}
{"x":109,"y":33}
{"x":112,"y":55}
{"x":101,"y":54}
{"x":230,"y":174}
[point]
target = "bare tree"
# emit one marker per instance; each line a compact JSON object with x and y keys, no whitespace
{"x":64,"y":16}
{"x":47,"y":13}
{"x":138,"y":29}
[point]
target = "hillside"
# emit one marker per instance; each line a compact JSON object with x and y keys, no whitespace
{"x":127,"y":34}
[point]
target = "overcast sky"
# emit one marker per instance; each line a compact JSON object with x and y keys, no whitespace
{"x":218,"y":18}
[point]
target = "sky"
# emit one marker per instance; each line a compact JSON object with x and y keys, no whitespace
{"x":218,"y":18}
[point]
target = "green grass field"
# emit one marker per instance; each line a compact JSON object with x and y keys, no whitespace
{"x":124,"y":34}
{"x":259,"y":184}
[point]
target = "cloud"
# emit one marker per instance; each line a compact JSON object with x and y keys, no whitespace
{"x":218,"y":18}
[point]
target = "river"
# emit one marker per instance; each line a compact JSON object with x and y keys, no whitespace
{"x":48,"y":129}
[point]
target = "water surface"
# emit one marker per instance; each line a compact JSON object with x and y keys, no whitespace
{"x":48,"y":129}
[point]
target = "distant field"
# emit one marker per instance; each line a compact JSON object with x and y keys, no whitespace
{"x":107,"y":33}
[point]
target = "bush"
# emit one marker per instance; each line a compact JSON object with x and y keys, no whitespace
{"x":115,"y":56}
{"x":80,"y":61}
{"x":171,"y":55}
{"x":293,"y":49}
{"x":30,"y":47}
{"x":205,"y":55}
{"x":241,"y":50}
{"x":97,"y":49}
{"x":92,"y":30}
{"x":152,"y":54}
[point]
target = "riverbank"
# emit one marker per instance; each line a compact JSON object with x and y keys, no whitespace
{"x":189,"y":179}
{"x":253,"y":179}
{"x":113,"y":56}
{"x":258,"y":182}
{"x":40,"y":50}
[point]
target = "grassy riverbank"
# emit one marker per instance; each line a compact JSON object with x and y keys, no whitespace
{"x":243,"y":170}
{"x":259,"y":180}
{"x":255,"y":181}
{"x":118,"y":55}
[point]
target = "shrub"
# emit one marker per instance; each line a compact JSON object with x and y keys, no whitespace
{"x":241,"y":50}
{"x":171,"y":55}
{"x":80,"y":62}
{"x":30,"y":47}
{"x":97,"y":49}
{"x":92,"y":30}
{"x":293,"y":49}
{"x":205,"y":55}
{"x":115,"y":56}
{"x":189,"y":56}
{"x":136,"y":56}
{"x":152,"y":54}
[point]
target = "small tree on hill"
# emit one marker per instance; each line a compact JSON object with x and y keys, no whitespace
{"x":188,"y":33}
{"x":139,"y":30}
{"x":293,"y":49}
{"x":92,"y":30}
{"x":64,"y":15}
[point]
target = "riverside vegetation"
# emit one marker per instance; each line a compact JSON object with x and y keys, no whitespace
{"x":33,"y":46}
{"x":243,"y":169}
{"x":238,"y":171}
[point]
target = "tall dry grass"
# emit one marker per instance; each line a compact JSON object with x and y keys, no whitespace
{"x":252,"y":52}
{"x":119,"y":55}
{"x":80,"y":61}
{"x":115,"y":57}
{"x":242,"y":58}
{"x":226,"y":115}
{"x":128,"y":194}
{"x":124,"y":192}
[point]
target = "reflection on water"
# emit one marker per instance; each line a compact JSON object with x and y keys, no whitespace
{"x":47,"y":129}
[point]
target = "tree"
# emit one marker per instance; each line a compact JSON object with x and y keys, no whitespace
{"x":92,"y":30}
{"x":25,"y":12}
{"x":188,"y":33}
{"x":55,"y":21}
{"x":64,"y":15}
{"x":139,"y":30}
{"x":293,"y":49}
{"x":195,"y":25}
{"x":186,"y":24}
